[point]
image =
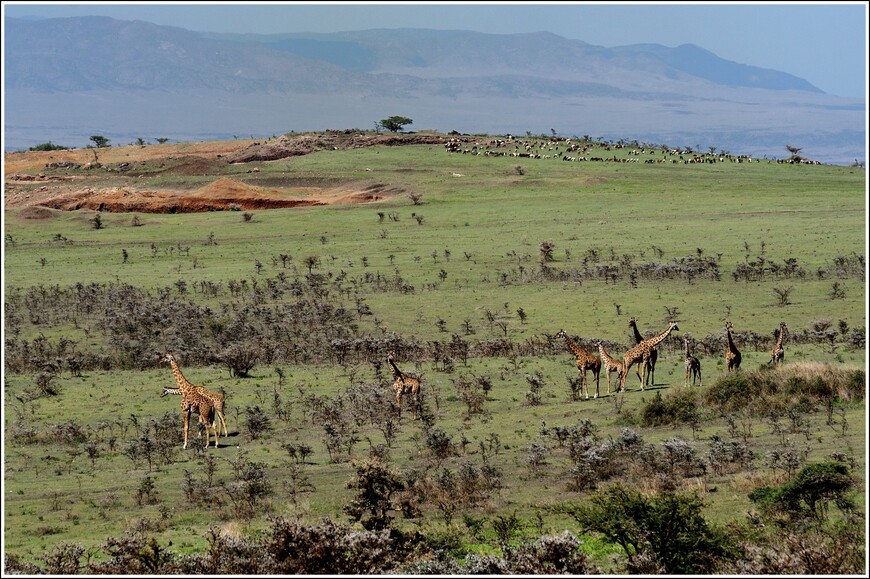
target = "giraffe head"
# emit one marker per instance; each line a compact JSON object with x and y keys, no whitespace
{"x":561,"y":334}
{"x":168,"y":357}
{"x":391,"y":356}
{"x":728,"y":326}
{"x":165,"y":392}
{"x":782,"y":329}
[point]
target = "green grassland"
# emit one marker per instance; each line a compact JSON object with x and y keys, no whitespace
{"x":476,"y":250}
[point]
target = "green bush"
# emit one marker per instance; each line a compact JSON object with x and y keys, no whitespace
{"x":49,"y":146}
{"x":809,"y":493}
{"x":731,"y":392}
{"x":659,"y":534}
{"x":679,"y":406}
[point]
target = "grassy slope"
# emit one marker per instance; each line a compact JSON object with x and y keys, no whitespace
{"x":498,"y":217}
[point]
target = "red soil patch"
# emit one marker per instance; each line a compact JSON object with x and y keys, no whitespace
{"x":221,"y":195}
{"x":28,"y":185}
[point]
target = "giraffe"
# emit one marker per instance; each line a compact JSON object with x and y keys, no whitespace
{"x":193,"y":399}
{"x":650,"y":365}
{"x":216,"y":398}
{"x":693,"y":366}
{"x":201,"y":406}
{"x":610,"y":363}
{"x":732,"y":354}
{"x":641,"y":353}
{"x":584,"y":361}
{"x":777,"y":355}
{"x":404,"y":384}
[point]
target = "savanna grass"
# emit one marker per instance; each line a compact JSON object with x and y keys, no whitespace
{"x":483,"y":231}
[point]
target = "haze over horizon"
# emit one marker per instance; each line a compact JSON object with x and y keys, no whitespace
{"x":824,"y":43}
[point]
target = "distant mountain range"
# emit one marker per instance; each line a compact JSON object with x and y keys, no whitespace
{"x":69,"y":78}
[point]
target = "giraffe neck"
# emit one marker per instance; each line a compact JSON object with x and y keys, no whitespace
{"x":731,"y":345}
{"x":574,"y":347}
{"x":396,"y":372}
{"x":687,"y":349}
{"x":779,"y":339}
{"x":182,"y":382}
{"x":655,"y":341}
{"x":637,"y":337}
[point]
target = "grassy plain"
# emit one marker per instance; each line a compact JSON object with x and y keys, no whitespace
{"x":475,"y":249}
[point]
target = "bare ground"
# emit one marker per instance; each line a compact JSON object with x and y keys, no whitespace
{"x":27,"y":183}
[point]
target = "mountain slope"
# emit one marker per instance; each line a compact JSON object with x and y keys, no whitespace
{"x":69,"y":78}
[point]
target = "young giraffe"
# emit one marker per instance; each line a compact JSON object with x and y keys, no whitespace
{"x":193,"y":399}
{"x":693,"y":366}
{"x":654,"y":355}
{"x":641,"y":353}
{"x":404,"y":384}
{"x":584,"y":361}
{"x":732,"y":355}
{"x":777,"y":355}
{"x":611,"y":364}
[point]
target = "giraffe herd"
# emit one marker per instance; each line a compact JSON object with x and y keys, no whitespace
{"x":644,"y":354}
{"x":209,"y":406}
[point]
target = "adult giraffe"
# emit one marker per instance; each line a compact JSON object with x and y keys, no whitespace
{"x":641,"y":353}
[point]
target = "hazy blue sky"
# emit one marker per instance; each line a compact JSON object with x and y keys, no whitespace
{"x":823,"y":43}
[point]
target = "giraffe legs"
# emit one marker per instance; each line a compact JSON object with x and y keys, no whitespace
{"x":223,"y":421}
{"x":186,"y":418}
{"x":210,"y":421}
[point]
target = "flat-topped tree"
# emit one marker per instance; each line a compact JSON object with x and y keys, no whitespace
{"x":395,"y":123}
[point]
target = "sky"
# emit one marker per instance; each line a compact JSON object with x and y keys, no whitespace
{"x":824,"y":43}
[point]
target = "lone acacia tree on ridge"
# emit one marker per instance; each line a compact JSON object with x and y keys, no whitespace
{"x":395,"y":123}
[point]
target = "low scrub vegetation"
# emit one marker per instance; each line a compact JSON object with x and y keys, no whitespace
{"x":504,"y":466}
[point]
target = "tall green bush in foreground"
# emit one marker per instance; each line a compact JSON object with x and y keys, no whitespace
{"x":659,"y":534}
{"x":809,"y":493}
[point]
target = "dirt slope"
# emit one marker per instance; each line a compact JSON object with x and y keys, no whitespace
{"x":31,"y":178}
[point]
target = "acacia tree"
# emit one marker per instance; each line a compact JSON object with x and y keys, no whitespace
{"x":100,"y":141}
{"x":395,"y":123}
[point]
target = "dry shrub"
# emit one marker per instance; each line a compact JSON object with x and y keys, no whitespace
{"x":769,"y":389}
{"x":822,"y":380}
{"x":744,"y":483}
